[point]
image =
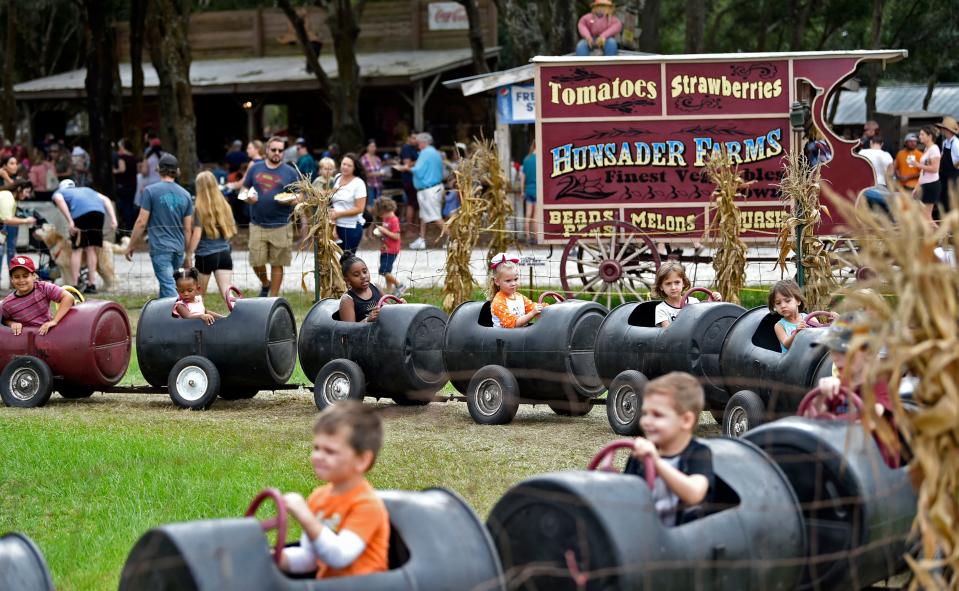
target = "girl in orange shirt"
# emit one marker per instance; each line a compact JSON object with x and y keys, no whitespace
{"x":510,"y":309}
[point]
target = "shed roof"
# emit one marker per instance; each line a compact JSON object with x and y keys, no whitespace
{"x":263,"y":74}
{"x":897,"y":99}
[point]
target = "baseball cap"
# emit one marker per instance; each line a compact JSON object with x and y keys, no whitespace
{"x":911,"y":137}
{"x":168,"y":162}
{"x":300,"y":141}
{"x":22,"y":261}
{"x":66,"y":184}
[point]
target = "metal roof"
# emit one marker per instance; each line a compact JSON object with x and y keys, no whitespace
{"x":886,"y":55}
{"x":897,"y":99}
{"x":261,"y":74}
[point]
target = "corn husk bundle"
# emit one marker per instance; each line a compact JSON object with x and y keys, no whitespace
{"x":495,"y":184}
{"x":918,"y":328}
{"x":464,"y":227}
{"x":315,"y":207}
{"x":800,"y":188}
{"x":723,"y":230}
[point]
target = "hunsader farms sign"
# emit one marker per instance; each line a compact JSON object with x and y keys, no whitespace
{"x":628,"y":139}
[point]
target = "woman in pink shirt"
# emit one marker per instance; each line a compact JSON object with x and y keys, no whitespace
{"x":928,"y":189}
{"x":599,"y":28}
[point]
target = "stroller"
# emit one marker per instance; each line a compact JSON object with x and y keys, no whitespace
{"x":47,"y":270}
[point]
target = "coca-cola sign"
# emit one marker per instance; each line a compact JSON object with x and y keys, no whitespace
{"x":447,"y":16}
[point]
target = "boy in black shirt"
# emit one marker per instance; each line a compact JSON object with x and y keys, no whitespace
{"x":684,"y":467}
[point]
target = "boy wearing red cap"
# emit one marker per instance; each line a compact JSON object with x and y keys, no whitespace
{"x":29,"y":302}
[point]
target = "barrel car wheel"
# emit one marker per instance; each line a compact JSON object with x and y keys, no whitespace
{"x":744,"y":411}
{"x":73,"y":391}
{"x":26,"y":382}
{"x":624,"y":402}
{"x":492,"y":396}
{"x":338,"y":380}
{"x":194,"y":383}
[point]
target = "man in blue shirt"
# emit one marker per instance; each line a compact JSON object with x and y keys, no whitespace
{"x":271,"y":233}
{"x":428,"y":180}
{"x":304,"y":161}
{"x":85,"y":211}
{"x":166,"y":215}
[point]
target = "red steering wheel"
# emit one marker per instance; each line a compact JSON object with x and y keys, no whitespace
{"x":237,"y":294}
{"x":556,"y":296}
{"x":603,"y":460}
{"x":711,"y":296}
{"x":808,"y":409}
{"x":811,"y":318}
{"x":278,"y":523}
{"x":388,"y":298}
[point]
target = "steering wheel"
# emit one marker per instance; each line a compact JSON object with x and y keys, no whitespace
{"x":556,"y":296}
{"x":278,"y":523}
{"x":75,"y":293}
{"x":808,"y":409}
{"x":603,"y":460}
{"x":811,"y":318}
{"x":388,"y":298}
{"x":231,"y":301}
{"x":711,"y":297}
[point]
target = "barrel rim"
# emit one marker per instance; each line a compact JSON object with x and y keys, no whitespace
{"x":35,"y":549}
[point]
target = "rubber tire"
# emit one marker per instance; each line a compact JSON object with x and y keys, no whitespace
{"x":626,"y":382}
{"x":72,"y":391}
{"x":744,"y":401}
{"x":209,"y":396}
{"x":353,"y":374}
{"x":238,"y":393}
{"x":509,"y":390}
{"x":44,"y":381}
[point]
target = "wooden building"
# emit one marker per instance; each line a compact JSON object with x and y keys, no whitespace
{"x":249,"y":76}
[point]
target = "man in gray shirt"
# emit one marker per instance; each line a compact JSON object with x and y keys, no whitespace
{"x":166,"y":215}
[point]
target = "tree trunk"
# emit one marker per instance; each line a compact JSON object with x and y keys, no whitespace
{"x":649,"y":35}
{"x":871,"y":72}
{"x":9,"y":77}
{"x":799,"y":25}
{"x":103,"y":91}
{"x":476,"y":36}
{"x":695,"y":25}
{"x":138,"y":10}
{"x":167,"y":24}
{"x":930,"y":87}
{"x":342,"y":96}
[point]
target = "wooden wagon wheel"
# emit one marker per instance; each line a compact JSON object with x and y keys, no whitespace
{"x":612,"y":259}
{"x":843,"y":255}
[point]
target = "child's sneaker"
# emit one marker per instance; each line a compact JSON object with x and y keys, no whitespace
{"x":418,"y":244}
{"x":400,"y":290}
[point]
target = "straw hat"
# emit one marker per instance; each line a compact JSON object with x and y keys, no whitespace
{"x":602,"y":3}
{"x":949,"y":124}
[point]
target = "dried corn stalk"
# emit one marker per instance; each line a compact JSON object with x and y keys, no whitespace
{"x":800,"y":194}
{"x":464,"y":227}
{"x":918,"y":327}
{"x":315,"y":207}
{"x":723,"y":229}
{"x":499,"y":209}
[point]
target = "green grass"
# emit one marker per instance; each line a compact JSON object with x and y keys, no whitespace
{"x":85,"y":479}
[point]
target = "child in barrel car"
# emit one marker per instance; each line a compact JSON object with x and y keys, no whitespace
{"x":510,"y":309}
{"x":684,"y":467}
{"x":346,"y":528}
{"x":29,"y":302}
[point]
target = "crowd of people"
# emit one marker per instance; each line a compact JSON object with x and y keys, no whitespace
{"x":928,"y":172}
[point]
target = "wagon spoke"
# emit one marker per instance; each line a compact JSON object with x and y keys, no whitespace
{"x":622,"y":286}
{"x":609,"y":295}
{"x":640,"y":249}
{"x":626,"y":243}
{"x":629,"y":286}
{"x":572,"y":275}
{"x":587,"y":285}
{"x":602,"y":249}
{"x":596,"y":255}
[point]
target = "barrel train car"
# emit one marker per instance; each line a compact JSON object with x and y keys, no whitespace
{"x":400,"y":356}
{"x":797,"y":504}
{"x":734,"y":353}
{"x":549,"y":362}
{"x":253,"y":348}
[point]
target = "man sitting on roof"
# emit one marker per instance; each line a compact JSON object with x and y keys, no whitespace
{"x":599,"y":28}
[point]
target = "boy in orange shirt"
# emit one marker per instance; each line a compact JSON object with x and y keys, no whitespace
{"x":346,"y":528}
